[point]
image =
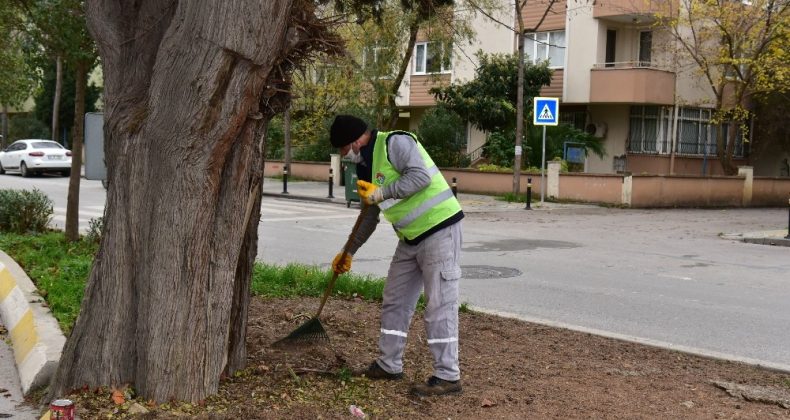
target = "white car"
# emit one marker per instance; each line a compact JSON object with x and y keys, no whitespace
{"x":35,"y":156}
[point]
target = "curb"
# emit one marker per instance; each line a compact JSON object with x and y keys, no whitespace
{"x":305,"y":198}
{"x":35,"y":335}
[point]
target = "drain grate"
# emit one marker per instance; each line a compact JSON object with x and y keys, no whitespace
{"x":488,"y":272}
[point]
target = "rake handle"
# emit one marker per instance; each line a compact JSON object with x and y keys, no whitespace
{"x":332,"y":281}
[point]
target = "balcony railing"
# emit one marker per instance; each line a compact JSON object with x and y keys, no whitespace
{"x":627,"y":65}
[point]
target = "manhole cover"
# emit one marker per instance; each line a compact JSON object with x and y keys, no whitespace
{"x":488,"y":272}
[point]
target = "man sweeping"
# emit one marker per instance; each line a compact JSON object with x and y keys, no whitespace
{"x":398,"y":178}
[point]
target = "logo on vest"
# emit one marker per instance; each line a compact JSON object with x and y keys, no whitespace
{"x":380,"y":178}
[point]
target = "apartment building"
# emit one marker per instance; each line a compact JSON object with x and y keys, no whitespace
{"x":616,"y":73}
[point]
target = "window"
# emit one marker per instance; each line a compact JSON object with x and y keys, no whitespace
{"x":651,"y":126}
{"x":649,"y":129}
{"x":46,"y":145}
{"x":432,"y":57}
{"x":611,"y":46}
{"x":546,"y":46}
{"x":575,"y":119}
{"x":645,"y":48}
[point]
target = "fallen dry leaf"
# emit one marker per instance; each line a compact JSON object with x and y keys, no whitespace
{"x":117,"y":397}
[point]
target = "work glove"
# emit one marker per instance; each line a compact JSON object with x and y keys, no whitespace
{"x":341,"y":263}
{"x":369,"y":193}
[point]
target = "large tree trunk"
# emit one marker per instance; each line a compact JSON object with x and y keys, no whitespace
{"x":56,"y":101}
{"x":73,"y":200}
{"x":189,"y":89}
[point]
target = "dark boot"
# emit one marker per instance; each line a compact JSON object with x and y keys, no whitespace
{"x":374,"y":371}
{"x":436,"y":386}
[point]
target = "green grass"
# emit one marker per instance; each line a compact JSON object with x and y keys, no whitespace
{"x":515,"y":198}
{"x":304,"y":280}
{"x":60,"y":269}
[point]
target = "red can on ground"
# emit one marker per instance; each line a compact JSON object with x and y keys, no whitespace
{"x":62,"y":410}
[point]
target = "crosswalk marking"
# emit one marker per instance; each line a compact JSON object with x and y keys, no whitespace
{"x":302,"y":208}
{"x":290,"y":219}
{"x":280,"y":211}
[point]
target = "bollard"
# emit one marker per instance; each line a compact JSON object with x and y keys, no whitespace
{"x":788,"y":219}
{"x":331,"y":182}
{"x":285,"y":179}
{"x":454,"y":186}
{"x":529,"y":195}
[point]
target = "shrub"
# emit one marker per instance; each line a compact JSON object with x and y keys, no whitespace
{"x":23,"y":211}
{"x":443,"y":134}
{"x":95,"y":230}
{"x":490,"y":167}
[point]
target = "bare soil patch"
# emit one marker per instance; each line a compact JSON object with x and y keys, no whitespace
{"x":510,"y":370}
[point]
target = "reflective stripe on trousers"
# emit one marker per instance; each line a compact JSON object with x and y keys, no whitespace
{"x":432,"y":265}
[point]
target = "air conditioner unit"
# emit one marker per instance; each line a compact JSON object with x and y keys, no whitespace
{"x":596,"y":129}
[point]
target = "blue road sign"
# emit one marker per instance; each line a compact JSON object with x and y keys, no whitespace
{"x":546,"y":111}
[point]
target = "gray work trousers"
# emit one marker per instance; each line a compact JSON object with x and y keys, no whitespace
{"x":432,"y":265}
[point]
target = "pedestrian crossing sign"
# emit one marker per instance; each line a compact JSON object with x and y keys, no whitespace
{"x":546,"y":111}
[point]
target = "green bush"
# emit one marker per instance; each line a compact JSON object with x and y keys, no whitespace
{"x":23,"y":211}
{"x":490,"y":167}
{"x":95,"y":230}
{"x":443,"y":134}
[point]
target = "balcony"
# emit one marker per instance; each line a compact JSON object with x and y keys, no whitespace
{"x":632,"y":10}
{"x":631,"y":83}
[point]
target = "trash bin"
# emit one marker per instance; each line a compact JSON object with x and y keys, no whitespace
{"x":350,"y":181}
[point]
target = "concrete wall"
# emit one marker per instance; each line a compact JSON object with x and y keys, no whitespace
{"x":686,"y":191}
{"x":491,"y":37}
{"x":684,"y":165}
{"x":472,"y":181}
{"x":598,"y":188}
{"x":314,"y":171}
{"x":616,"y":119}
{"x":769,"y":191}
{"x":586,"y":41}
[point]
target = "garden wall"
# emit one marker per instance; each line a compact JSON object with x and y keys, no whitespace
{"x":641,"y":191}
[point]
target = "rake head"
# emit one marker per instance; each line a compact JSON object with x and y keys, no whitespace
{"x":308,"y":333}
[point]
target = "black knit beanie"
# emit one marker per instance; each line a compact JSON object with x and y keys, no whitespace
{"x":345,"y":129}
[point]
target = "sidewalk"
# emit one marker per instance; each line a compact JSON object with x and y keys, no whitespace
{"x":471,"y":203}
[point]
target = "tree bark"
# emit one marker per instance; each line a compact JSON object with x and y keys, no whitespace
{"x":189,"y":90}
{"x":56,"y":101}
{"x":73,"y":200}
{"x":5,"y":127}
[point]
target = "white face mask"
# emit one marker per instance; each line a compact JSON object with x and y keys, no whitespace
{"x":353,"y":156}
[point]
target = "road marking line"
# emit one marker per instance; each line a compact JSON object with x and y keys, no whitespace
{"x":289,"y":219}
{"x":301,"y":208}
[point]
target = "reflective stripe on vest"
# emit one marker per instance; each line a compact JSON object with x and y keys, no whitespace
{"x":384,"y":205}
{"x":418,"y":213}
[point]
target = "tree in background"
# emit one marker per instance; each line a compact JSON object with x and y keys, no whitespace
{"x":442,"y":133}
{"x":59,"y":27}
{"x":489,"y":100}
{"x":17,"y":79}
{"x":740,"y":51}
{"x":44,"y":99}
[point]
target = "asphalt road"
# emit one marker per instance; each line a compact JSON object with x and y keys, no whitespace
{"x":662,"y":277}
